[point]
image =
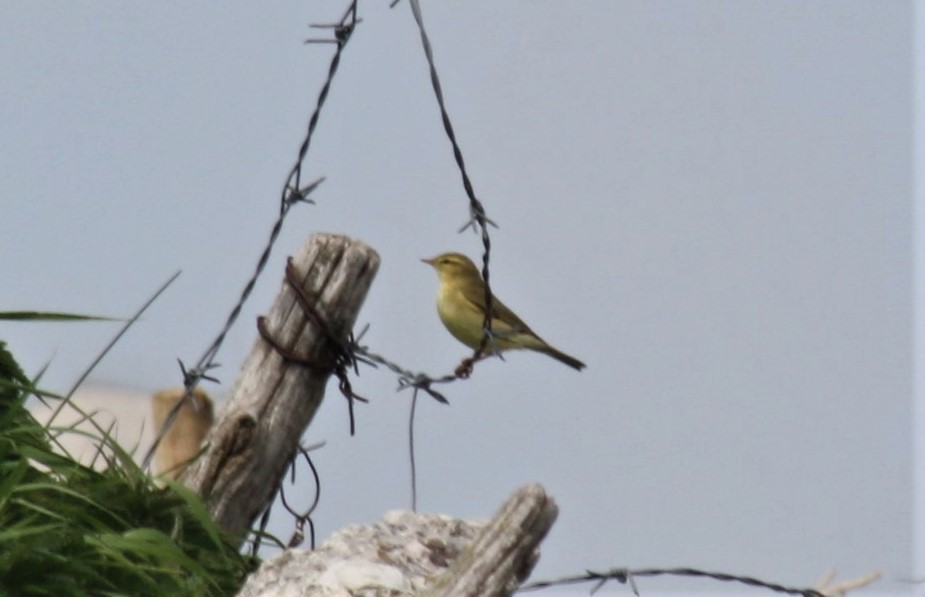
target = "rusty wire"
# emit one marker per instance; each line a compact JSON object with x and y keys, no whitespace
{"x":301,"y":517}
{"x":340,"y":357}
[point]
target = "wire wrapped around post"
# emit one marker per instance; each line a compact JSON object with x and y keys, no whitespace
{"x":275,"y":398}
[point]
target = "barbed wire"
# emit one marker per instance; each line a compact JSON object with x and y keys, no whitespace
{"x":477,"y":216}
{"x":293,"y":192}
{"x":407,"y":379}
{"x":627,"y":576}
{"x":479,"y":222}
{"x":340,"y":356}
{"x":348,"y":352}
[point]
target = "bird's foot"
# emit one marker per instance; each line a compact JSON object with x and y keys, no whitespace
{"x":464,"y":370}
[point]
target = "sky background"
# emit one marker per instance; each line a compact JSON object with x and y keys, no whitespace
{"x":710,"y":203}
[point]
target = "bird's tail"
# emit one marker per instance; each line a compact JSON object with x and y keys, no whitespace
{"x":563,"y":358}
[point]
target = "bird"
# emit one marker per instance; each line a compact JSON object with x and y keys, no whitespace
{"x":461,"y":307}
{"x":183,"y":440}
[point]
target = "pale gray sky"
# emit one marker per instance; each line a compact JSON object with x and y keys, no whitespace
{"x":708,"y":202}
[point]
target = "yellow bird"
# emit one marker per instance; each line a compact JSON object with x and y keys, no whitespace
{"x":461,"y":306}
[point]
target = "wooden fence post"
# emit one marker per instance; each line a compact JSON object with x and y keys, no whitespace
{"x":274,"y":398}
{"x":504,"y":554}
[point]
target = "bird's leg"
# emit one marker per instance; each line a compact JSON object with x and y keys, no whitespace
{"x":465,"y":368}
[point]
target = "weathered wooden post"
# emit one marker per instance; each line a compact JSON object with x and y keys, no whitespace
{"x":504,"y":554}
{"x":275,"y":398}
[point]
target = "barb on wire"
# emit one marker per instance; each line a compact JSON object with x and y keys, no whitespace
{"x":341,"y":32}
{"x":342,"y":29}
{"x":626,"y":576}
{"x":192,"y":375}
{"x":406,"y":379}
{"x":473,"y":222}
{"x":477,"y":215}
{"x":293,"y":192}
{"x":294,"y":195}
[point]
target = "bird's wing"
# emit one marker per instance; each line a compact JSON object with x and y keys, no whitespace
{"x":503,"y":319}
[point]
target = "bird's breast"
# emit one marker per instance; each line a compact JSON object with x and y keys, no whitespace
{"x":460,"y":317}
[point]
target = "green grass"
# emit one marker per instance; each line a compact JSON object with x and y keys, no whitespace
{"x":69,"y":529}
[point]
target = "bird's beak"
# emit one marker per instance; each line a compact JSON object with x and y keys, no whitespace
{"x":429,"y":262}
